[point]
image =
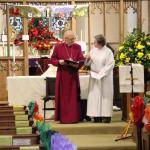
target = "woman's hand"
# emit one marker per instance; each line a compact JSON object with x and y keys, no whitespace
{"x":87,"y":57}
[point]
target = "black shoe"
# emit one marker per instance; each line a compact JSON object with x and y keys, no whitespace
{"x":106,"y":119}
{"x":87,"y":118}
{"x":97,"y":119}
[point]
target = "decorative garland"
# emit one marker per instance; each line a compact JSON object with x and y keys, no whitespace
{"x":45,"y":11}
{"x":50,"y":139}
{"x":146,"y":118}
{"x":137,"y":109}
{"x":139,"y":114}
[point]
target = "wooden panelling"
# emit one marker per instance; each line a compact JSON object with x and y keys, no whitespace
{"x":7,"y":69}
{"x":3,"y":75}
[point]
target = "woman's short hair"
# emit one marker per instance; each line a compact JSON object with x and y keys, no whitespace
{"x":100,"y":39}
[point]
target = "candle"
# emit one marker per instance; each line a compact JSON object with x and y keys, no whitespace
{"x":13,"y":53}
{"x":3,"y":46}
{"x":81,"y":34}
{"x":47,"y":12}
{"x":3,"y":39}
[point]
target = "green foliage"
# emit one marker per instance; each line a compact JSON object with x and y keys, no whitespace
{"x":43,"y":128}
{"x":135,"y":49}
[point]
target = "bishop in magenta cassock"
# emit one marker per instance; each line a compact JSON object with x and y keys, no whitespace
{"x":67,"y":89}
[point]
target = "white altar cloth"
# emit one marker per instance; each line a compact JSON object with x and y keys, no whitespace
{"x":23,"y":89}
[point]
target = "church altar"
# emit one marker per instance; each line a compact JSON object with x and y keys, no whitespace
{"x":23,"y":89}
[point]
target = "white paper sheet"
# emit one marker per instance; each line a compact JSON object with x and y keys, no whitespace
{"x":95,"y":75}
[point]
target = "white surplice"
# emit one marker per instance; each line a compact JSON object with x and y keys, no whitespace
{"x":100,"y":97}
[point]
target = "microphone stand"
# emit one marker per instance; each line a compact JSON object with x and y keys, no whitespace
{"x":132,"y":81}
{"x":138,"y":127}
{"x":39,"y":66}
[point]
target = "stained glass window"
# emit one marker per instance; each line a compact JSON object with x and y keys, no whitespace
{"x":16,"y":22}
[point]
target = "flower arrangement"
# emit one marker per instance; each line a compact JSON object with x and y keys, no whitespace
{"x":135,"y":49}
{"x":40,"y":38}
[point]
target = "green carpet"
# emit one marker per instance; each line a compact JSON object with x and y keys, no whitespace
{"x":96,"y":136}
{"x":101,"y":142}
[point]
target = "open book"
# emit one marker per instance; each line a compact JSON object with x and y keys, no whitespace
{"x":71,"y":62}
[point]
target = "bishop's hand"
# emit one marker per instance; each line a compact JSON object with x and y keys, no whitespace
{"x":61,"y":62}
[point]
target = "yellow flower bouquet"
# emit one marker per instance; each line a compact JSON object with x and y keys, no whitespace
{"x":135,"y":49}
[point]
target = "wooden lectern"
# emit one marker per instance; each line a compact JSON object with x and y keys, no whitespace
{"x":131,"y":82}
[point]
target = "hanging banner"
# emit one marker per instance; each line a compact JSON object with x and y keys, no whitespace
{"x":80,"y":10}
{"x":60,"y":15}
{"x":41,"y":11}
{"x":69,"y":10}
{"x":26,"y":10}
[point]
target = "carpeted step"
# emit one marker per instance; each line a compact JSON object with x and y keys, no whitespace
{"x":3,"y":103}
{"x":5,"y":140}
{"x":14,"y":117}
{"x":7,"y":117}
{"x":96,"y":136}
{"x":14,"y":130}
{"x":30,"y":139}
{"x":13,"y":123}
{"x":13,"y":147}
{"x":89,"y":128}
{"x":10,"y":112}
{"x":15,"y":108}
{"x":6,"y":107}
{"x":101,"y":142}
{"x":24,"y":139}
{"x":117,"y":116}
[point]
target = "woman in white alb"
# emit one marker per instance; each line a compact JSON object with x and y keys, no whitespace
{"x":100,"y":97}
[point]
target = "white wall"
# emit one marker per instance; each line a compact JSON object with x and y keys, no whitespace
{"x":145,"y":16}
